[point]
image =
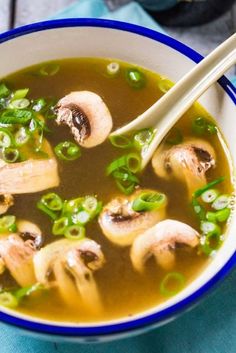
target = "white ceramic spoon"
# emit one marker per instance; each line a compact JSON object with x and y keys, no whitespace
{"x":163,"y":114}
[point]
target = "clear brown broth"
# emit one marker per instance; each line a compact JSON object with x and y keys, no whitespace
{"x":124,"y":292}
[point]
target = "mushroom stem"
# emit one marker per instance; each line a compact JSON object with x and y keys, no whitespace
{"x":85,"y":284}
{"x":17,"y":257}
{"x":65,"y":285}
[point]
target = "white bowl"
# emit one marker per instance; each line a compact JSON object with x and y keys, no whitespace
{"x":60,"y":39}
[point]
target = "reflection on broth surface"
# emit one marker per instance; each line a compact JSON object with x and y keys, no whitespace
{"x":123,"y":291}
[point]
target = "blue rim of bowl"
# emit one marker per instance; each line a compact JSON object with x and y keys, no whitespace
{"x":173,"y":310}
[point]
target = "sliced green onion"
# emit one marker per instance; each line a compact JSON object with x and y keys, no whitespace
{"x":113,"y":68}
{"x":26,"y":291}
{"x":21,"y":136}
{"x":174,"y":137}
{"x":43,"y":208}
{"x":199,"y":125}
{"x":33,"y":125}
{"x":198,"y":209}
{"x":221,"y":202}
{"x":122,"y":170}
{"x":5,"y":138}
{"x":143,"y":137}
{"x":164,"y":85}
{"x":81,"y":218}
{"x":172,"y":283}
{"x":15,"y":116}
{"x":52,"y":201}
{"x":38,"y":139}
{"x":19,"y":103}
{"x":211,"y":217}
{"x":121,"y":141}
{"x":7,"y":223}
{"x":223,"y":215}
{"x":73,"y":206}
{"x":4,"y":91}
{"x":211,"y":128}
{"x":148,"y":201}
{"x":199,"y":192}
{"x":67,"y":151}
{"x":133,"y":162}
{"x":20,"y":93}
{"x":90,"y":204}
{"x":60,"y":225}
{"x":10,"y":155}
{"x":135,"y":78}
{"x":123,"y":174}
{"x":39,"y":104}
{"x":116,"y":164}
{"x":126,"y":187}
{"x":210,"y":195}
{"x":49,"y":69}
{"x":211,"y":242}
{"x":210,"y":228}
{"x":75,"y":232}
{"x":8,"y":300}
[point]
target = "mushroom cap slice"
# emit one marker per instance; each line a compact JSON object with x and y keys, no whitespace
{"x":72,"y":263}
{"x":160,"y":241}
{"x":30,"y":233}
{"x":30,"y":176}
{"x":6,"y":201}
{"x":17,"y":256}
{"x":121,"y":224}
{"x":188,"y":162}
{"x":87,"y":116}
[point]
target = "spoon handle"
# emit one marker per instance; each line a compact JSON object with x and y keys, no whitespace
{"x":163,"y":114}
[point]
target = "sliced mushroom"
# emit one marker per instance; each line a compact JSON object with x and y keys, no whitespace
{"x":87,"y":116}
{"x":30,"y":176}
{"x":121,"y":224}
{"x":161,"y":241}
{"x":187,"y":162}
{"x":71,"y":263}
{"x":30,"y":233}
{"x":6,"y":201}
{"x":16,"y":255}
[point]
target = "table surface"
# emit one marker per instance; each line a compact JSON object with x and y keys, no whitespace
{"x":14,"y":13}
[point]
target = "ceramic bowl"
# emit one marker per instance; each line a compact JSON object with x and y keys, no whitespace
{"x":60,"y":39}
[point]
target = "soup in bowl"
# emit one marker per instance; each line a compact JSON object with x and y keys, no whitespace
{"x":91,"y":244}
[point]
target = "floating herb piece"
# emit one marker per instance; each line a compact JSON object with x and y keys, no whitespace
{"x":148,"y":201}
{"x":7,"y":224}
{"x":67,"y":151}
{"x":201,"y":126}
{"x":113,"y":69}
{"x":172,"y":283}
{"x":4,"y":91}
{"x":50,"y":69}
{"x":135,"y":78}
